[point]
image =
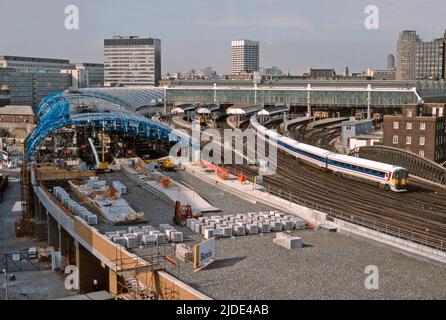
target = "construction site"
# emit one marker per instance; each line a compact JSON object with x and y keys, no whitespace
{"x":100,"y":209}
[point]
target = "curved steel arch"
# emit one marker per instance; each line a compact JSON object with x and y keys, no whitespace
{"x":54,"y":113}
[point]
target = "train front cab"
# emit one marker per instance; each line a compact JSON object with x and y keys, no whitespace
{"x":399,"y":180}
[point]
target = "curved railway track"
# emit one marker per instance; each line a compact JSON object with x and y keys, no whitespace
{"x":418,"y":215}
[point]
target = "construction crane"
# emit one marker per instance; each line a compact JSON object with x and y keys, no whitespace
{"x":100,"y":165}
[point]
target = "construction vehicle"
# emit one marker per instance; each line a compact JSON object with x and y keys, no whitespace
{"x":164,"y":164}
{"x":101,"y":166}
{"x":182,"y":213}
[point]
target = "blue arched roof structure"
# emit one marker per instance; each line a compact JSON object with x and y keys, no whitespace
{"x":115,"y":111}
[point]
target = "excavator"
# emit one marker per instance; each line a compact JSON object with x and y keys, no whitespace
{"x":164,"y":164}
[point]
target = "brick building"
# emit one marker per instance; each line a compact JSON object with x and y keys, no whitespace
{"x":19,"y":121}
{"x":419,"y":129}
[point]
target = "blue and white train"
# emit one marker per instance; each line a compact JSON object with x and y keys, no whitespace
{"x":393,"y":177}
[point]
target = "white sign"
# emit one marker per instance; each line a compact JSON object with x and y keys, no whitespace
{"x":16,"y":257}
{"x":204,"y":253}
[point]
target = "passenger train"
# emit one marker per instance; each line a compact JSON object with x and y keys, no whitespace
{"x":393,"y":177}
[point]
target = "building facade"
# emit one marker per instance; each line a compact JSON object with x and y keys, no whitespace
{"x":420,"y":130}
{"x":34,"y":65}
{"x":29,"y":88}
{"x":353,"y":128}
{"x":429,"y":59}
{"x":418,"y":59}
{"x":132,"y":61}
{"x":18,"y":121}
{"x":30,"y":79}
{"x":406,"y":54}
{"x":245,"y":56}
{"x":94,"y":74}
{"x":389,"y":74}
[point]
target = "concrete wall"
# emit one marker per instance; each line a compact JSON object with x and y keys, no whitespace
{"x":99,"y":258}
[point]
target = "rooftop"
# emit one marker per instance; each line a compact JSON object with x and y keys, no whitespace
{"x":20,"y":110}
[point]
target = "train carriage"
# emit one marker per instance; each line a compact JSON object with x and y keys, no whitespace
{"x":393,"y":177}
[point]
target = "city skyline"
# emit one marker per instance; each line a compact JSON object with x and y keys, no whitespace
{"x":293,"y":36}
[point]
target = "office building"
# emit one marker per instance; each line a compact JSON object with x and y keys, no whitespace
{"x":33,"y":64}
{"x":132,"y":61}
{"x":418,"y":59}
{"x":30,"y":79}
{"x":321,"y":73}
{"x":94,"y":74}
{"x":389,"y":74}
{"x":86,"y":75}
{"x":429,"y":59}
{"x":274,"y":71}
{"x":5,"y":97}
{"x":406,"y":55}
{"x":245,"y":56}
{"x":390,"y":62}
{"x":29,"y":88}
{"x":420,"y":130}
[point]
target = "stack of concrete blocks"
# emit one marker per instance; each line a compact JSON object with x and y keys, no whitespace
{"x":288,"y":241}
{"x":171,"y":233}
{"x":74,"y":207}
{"x":149,"y":239}
{"x":160,"y":237}
{"x":131,"y":240}
{"x":242,"y":224}
{"x":119,"y":187}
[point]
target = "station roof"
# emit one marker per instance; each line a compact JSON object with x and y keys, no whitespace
{"x":243,"y":109}
{"x":269,"y":111}
{"x":131,"y":98}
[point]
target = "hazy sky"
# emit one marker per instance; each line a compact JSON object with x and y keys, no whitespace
{"x":293,"y":34}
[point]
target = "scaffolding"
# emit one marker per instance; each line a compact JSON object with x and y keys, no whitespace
{"x":138,"y":277}
{"x":24,"y":226}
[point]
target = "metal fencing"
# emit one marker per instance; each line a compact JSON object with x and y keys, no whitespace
{"x":415,"y":236}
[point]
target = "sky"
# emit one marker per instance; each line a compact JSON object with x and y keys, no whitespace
{"x":293,"y":34}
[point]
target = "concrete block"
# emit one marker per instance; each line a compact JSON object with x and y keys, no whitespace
{"x":176,"y":236}
{"x":288,"y":241}
{"x":276,"y":226}
{"x":264,"y":227}
{"x":149,"y":239}
{"x":252,"y":229}
{"x":227,"y":231}
{"x":239,"y":230}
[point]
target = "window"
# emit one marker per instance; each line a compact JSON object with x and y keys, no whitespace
{"x":421,"y":153}
{"x":409,"y":113}
{"x":422,"y":141}
{"x":422,"y":125}
{"x":395,"y":125}
{"x":395,"y":139}
{"x":408,"y":140}
{"x":409,"y":125}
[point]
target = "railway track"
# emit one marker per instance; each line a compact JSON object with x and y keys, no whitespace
{"x":418,"y":215}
